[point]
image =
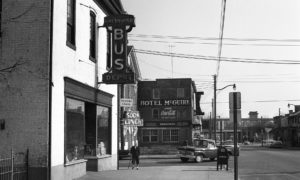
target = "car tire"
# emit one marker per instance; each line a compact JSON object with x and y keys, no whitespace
{"x":199,"y":158}
{"x":184,"y":159}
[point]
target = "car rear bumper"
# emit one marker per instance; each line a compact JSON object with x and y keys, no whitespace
{"x":186,"y":156}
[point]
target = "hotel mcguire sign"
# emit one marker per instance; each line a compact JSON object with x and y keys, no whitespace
{"x":119,"y":26}
{"x":165,"y":102}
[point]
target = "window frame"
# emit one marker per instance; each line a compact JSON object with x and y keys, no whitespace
{"x":66,"y":130}
{"x":155,"y":93}
{"x":150,"y":135}
{"x":153,"y":115}
{"x":0,"y":18}
{"x":92,"y":41}
{"x":180,"y":92}
{"x":71,"y":23}
{"x":109,"y":127}
{"x":170,"y":135}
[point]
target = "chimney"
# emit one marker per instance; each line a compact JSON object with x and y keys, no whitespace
{"x":253,"y":114}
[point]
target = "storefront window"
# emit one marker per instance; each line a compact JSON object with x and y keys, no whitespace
{"x":104,"y":131}
{"x":75,"y":130}
{"x":150,"y":135}
{"x":170,"y":135}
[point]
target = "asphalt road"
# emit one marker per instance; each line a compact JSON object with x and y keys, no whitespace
{"x":266,"y":164}
{"x":270,"y":164}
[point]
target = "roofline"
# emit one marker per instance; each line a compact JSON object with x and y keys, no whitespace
{"x":111,"y":7}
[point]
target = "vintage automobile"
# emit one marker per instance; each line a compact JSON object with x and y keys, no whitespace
{"x":276,"y":144}
{"x":229,"y":145}
{"x":200,"y":150}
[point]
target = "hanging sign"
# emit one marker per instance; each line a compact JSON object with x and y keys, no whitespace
{"x":132,"y":118}
{"x":119,"y":26}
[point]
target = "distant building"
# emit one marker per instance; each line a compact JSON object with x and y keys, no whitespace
{"x":167,"y":108}
{"x":252,"y":128}
{"x":287,"y":128}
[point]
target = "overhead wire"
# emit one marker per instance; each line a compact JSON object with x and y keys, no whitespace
{"x":211,"y":58}
{"x":222,"y":22}
{"x":211,"y":38}
{"x":211,"y":43}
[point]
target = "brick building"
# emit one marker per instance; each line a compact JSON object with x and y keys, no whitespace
{"x":52,"y":57}
{"x":167,"y":108}
{"x":287,"y":128}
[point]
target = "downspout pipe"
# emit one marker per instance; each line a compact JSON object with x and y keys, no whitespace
{"x":50,"y":90}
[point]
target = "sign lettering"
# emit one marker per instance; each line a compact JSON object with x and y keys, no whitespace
{"x":181,"y":102}
{"x":119,"y":26}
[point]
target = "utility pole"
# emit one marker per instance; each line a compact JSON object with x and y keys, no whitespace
{"x":171,"y":53}
{"x":215,"y":107}
{"x":210,"y":125}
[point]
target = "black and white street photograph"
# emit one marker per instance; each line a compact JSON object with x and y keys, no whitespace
{"x":149,"y":89}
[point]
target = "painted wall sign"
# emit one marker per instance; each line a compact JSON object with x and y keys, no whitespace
{"x":167,"y":124}
{"x":119,"y":26}
{"x":168,"y":113}
{"x":160,"y":102}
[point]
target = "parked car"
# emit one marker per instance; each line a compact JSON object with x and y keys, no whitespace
{"x":246,"y":142}
{"x":229,"y":145}
{"x":276,"y":144}
{"x":200,"y":150}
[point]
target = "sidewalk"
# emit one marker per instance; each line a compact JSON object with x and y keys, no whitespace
{"x":162,"y":173}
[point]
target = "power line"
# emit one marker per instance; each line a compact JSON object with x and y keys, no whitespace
{"x":260,"y":101}
{"x":209,"y":43}
{"x":222,"y":22}
{"x":211,"y":58}
{"x":212,"y":38}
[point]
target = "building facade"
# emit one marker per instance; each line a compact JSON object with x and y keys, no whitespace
{"x":128,"y":133}
{"x":287,"y":128}
{"x":167,"y":109}
{"x":52,"y":57}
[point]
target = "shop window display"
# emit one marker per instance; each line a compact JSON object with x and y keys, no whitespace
{"x":104,"y":131}
{"x":75,"y":130}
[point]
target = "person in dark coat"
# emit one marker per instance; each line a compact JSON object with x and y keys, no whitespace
{"x":135,"y":156}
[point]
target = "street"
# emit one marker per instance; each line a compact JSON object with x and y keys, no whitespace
{"x":273,"y":164}
{"x":254,"y":164}
{"x":263,"y":164}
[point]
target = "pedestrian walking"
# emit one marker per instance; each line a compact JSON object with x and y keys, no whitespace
{"x":135,"y":156}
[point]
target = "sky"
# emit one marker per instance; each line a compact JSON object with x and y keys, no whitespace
{"x":260,"y":49}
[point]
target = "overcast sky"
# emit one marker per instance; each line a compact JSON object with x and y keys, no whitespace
{"x":264,"y":34}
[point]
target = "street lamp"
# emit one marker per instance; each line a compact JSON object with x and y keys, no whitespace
{"x":215,"y":109}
